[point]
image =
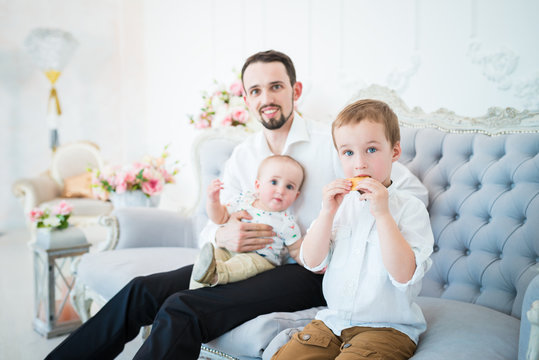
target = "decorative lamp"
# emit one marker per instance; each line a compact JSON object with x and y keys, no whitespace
{"x":51,"y":49}
{"x":55,"y":252}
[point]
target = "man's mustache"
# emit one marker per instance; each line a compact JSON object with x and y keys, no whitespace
{"x":269,"y":105}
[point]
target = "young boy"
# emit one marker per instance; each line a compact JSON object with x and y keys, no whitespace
{"x":374,"y":243}
{"x":277,"y":186}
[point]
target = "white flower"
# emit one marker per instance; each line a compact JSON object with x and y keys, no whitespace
{"x":51,"y":221}
{"x":237,"y":101}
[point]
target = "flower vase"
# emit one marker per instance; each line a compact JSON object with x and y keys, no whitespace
{"x":50,"y":238}
{"x":133,"y":198}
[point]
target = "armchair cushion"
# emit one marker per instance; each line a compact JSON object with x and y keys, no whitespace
{"x":150,"y":227}
{"x":78,"y":186}
{"x":126,"y":264}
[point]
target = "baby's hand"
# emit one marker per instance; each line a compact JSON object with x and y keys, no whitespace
{"x":214,"y":190}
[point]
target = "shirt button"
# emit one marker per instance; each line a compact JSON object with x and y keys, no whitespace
{"x":306,"y":337}
{"x":347,"y":345}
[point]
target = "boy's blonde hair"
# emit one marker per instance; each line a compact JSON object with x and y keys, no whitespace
{"x":282,"y":158}
{"x":368,"y":109}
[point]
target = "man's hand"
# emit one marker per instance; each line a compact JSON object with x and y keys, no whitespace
{"x":240,"y":236}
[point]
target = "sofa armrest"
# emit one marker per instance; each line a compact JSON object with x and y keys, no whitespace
{"x":148,"y":227}
{"x":36,"y":190}
{"x":531,"y":295}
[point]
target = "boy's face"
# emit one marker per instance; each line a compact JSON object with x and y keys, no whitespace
{"x":364,"y":150}
{"x":278,"y":185}
{"x":269,"y":94}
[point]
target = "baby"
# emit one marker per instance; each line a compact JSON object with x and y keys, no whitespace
{"x":277,"y":186}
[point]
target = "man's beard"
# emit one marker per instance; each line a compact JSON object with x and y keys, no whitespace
{"x":275,"y":123}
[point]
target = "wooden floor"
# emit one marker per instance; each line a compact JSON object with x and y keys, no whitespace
{"x":18,"y":340}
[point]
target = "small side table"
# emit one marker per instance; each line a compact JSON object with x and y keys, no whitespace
{"x":54,"y":253}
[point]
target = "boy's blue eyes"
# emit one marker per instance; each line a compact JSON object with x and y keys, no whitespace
{"x":370,"y":150}
{"x":289,"y":187}
{"x":273,"y":182}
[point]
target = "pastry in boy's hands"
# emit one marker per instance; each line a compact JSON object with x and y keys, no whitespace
{"x":355,"y":181}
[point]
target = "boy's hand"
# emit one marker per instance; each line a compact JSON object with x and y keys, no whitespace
{"x":376,"y":194}
{"x":333,"y":195}
{"x":214,"y":189}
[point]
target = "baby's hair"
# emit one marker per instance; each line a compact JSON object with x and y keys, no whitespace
{"x":368,"y":109}
{"x":282,"y":158}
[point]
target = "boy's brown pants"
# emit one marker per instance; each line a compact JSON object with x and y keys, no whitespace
{"x":317,"y":341}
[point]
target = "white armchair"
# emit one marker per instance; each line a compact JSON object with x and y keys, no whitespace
{"x":66,"y":179}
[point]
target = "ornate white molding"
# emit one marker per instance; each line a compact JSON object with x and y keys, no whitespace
{"x":497,"y":121}
{"x":496,"y":66}
{"x":399,"y":79}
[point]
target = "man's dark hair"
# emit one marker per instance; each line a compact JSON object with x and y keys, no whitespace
{"x":272,"y":56}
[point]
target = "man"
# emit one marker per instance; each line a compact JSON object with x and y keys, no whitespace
{"x":184,"y":319}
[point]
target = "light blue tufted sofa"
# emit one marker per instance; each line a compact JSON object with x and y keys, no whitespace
{"x":483,"y":180}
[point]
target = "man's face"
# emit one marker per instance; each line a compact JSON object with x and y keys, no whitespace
{"x":269,"y":94}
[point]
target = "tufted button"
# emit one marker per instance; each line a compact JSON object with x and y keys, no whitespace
{"x":305,"y":337}
{"x":347,"y":345}
{"x":456,"y":217}
{"x":435,"y":248}
{"x":511,"y":185}
{"x":478,"y":186}
{"x":467,"y":252}
{"x":488,"y":219}
{"x":445,"y":286}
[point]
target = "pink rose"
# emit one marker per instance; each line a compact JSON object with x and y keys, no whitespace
{"x":236,"y":88}
{"x":152,"y":187}
{"x":202,"y":124}
{"x":35,"y":214}
{"x":169,"y":178}
{"x":63,"y":208}
{"x":240,"y":115}
{"x":227,"y":120}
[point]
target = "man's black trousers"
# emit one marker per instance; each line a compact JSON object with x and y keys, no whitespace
{"x":184,"y":319}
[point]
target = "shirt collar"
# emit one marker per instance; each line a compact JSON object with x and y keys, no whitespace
{"x":299,"y":132}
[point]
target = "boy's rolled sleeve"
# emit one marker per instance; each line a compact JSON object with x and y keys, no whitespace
{"x":322,"y":266}
{"x":416,"y":229}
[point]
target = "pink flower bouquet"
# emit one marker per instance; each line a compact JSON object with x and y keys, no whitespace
{"x":55,"y":218}
{"x":148,"y":175}
{"x":223,"y":108}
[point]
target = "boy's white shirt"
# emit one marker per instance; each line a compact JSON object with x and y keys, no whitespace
{"x":358,"y":289}
{"x":311,"y":144}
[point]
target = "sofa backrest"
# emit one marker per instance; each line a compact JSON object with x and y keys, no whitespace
{"x":484,"y":211}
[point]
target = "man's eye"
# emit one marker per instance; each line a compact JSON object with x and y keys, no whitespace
{"x":348,"y":153}
{"x":277,"y":86}
{"x":254,"y":91}
{"x":290,"y":187}
{"x":371,"y":150}
{"x":273,"y":182}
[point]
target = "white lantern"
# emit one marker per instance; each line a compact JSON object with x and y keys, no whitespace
{"x":55,"y":251}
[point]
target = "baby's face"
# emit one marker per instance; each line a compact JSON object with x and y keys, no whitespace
{"x":364,"y":150}
{"x":278,"y":185}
